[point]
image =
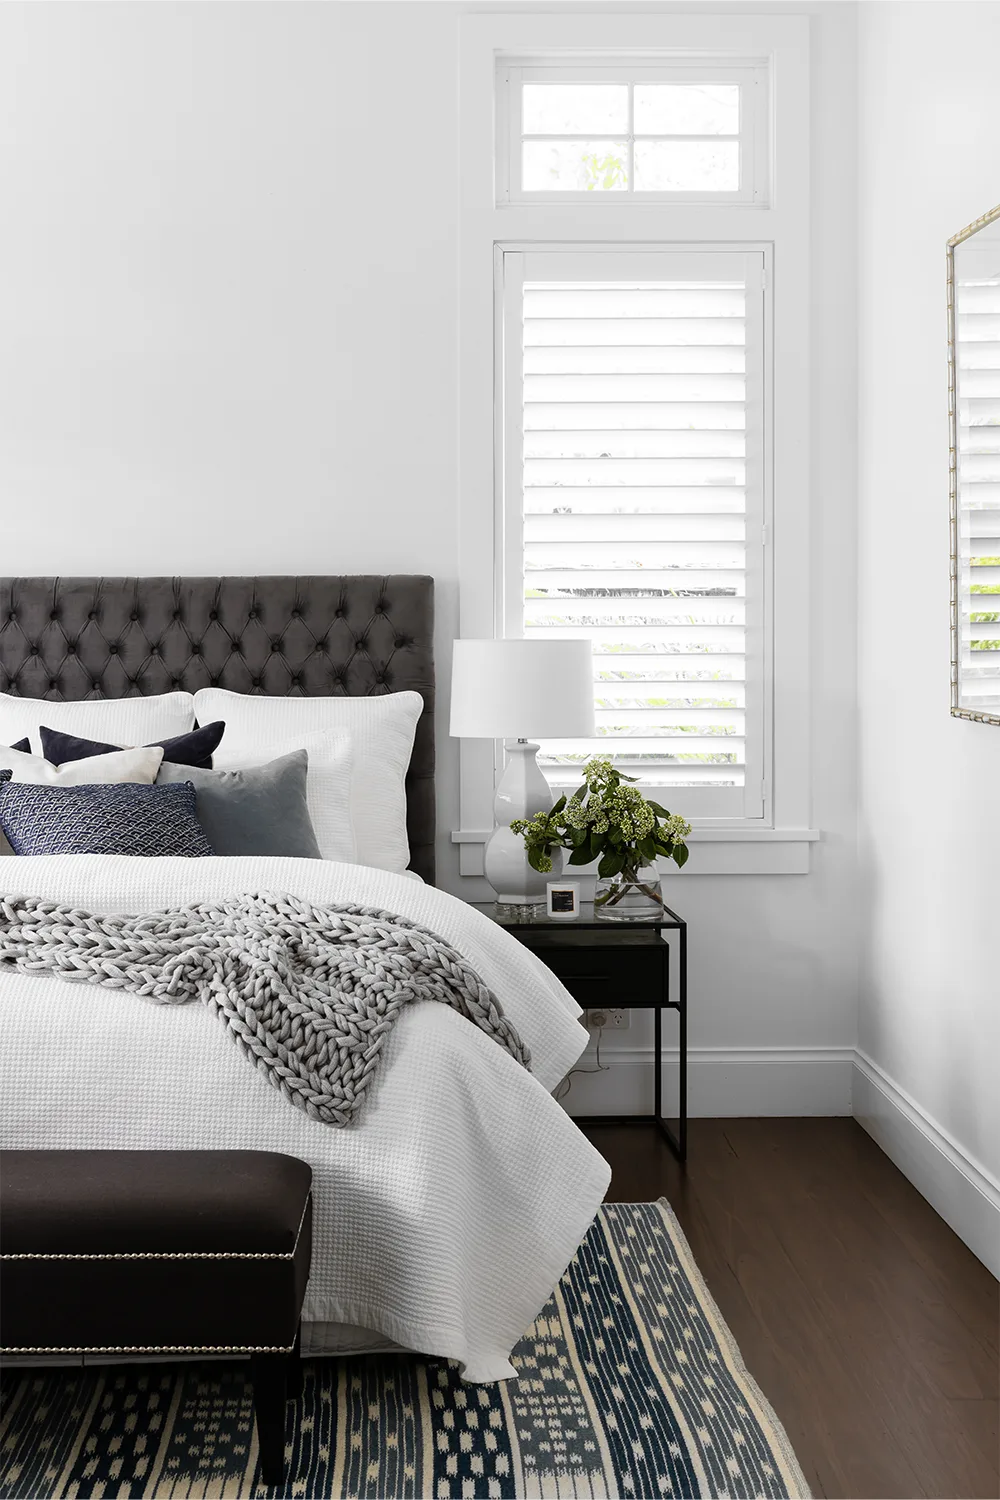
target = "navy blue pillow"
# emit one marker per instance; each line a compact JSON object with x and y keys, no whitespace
{"x":192,"y":749}
{"x":123,"y":818}
{"x":23,"y":745}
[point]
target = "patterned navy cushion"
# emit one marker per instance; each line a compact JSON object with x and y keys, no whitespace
{"x":193,"y":749}
{"x":122,"y":818}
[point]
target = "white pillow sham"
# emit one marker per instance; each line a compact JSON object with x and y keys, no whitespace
{"x":328,"y":787}
{"x":139,"y":766}
{"x":381,"y":731}
{"x":118,"y":721}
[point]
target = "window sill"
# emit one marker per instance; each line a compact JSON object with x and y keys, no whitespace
{"x":715,"y":851}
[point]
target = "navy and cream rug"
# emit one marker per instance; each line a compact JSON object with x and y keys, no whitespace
{"x":630,"y":1386}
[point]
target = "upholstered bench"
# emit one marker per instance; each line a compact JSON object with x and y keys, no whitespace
{"x":160,"y":1252}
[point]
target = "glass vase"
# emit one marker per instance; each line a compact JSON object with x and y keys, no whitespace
{"x":633,"y":896}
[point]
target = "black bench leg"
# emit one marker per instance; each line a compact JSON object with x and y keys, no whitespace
{"x":295,"y":1367}
{"x":269,"y":1373}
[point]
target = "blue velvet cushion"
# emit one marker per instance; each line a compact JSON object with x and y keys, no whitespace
{"x":193,"y":749}
{"x":123,"y":818}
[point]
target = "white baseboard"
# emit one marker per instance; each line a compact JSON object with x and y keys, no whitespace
{"x":722,"y":1082}
{"x":961,"y":1190}
{"x":779,"y":1081}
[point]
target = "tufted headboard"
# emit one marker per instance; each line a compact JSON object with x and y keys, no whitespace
{"x":72,"y":638}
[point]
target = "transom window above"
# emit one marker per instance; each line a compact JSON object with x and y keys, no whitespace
{"x":691,"y":132}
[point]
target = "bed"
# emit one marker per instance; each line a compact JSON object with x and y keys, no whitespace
{"x":446,"y":1212}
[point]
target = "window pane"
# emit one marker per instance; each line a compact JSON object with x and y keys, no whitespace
{"x":687,"y":109}
{"x":575,"y":166}
{"x":634,"y":529}
{"x":687,"y":166}
{"x":574,"y":108}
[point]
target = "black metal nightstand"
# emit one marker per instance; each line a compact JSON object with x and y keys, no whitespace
{"x":622,"y":964}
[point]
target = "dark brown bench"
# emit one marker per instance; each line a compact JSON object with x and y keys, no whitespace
{"x":160,"y":1252}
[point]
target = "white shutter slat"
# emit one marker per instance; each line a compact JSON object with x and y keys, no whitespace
{"x":547,"y":611}
{"x":611,"y":386}
{"x":634,"y":443}
{"x":627,"y":416}
{"x":652,"y":344}
{"x":656,"y":557}
{"x":613,"y":670}
{"x":585,"y":303}
{"x":720,"y":751}
{"x":978,"y":403}
{"x":981,"y":380}
{"x":980,"y":353}
{"x":624,"y":473}
{"x":639,"y":530}
{"x":644,"y":500}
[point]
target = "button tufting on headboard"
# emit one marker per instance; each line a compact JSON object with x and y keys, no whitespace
{"x":73,"y":638}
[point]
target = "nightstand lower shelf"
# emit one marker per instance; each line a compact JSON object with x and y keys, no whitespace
{"x":676,"y":1140}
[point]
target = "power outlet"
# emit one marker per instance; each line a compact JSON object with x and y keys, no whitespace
{"x":609,"y":1020}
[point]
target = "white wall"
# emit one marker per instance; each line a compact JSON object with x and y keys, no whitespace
{"x":929,"y":784}
{"x":228,"y":281}
{"x":227,"y":293}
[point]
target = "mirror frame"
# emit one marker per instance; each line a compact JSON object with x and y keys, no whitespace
{"x":964,"y":234}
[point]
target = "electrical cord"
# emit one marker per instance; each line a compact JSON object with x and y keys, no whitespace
{"x":562,"y":1089}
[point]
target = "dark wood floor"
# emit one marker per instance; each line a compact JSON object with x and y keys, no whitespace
{"x":868,"y":1324}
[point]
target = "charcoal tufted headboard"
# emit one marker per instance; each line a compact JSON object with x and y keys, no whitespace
{"x":73,"y":638}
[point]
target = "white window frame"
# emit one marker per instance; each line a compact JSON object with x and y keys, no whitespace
{"x":751,"y":74}
{"x":778,"y":842}
{"x":645,"y":262}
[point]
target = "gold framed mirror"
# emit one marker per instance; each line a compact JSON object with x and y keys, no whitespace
{"x":974,"y":467}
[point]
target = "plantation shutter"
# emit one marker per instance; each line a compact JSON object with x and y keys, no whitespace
{"x":635,"y":471}
{"x":978,"y":393}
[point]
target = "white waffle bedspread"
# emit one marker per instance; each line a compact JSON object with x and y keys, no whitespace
{"x":443,"y":1216}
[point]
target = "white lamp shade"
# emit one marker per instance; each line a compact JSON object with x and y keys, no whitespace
{"x":522,"y":690}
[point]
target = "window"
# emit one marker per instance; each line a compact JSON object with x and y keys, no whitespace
{"x":634,"y":505}
{"x":679,"y":132}
{"x":977,"y":561}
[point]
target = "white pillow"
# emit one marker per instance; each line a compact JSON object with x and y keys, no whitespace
{"x":328,"y":788}
{"x":381,"y":730}
{"x":118,"y":721}
{"x":138,"y":766}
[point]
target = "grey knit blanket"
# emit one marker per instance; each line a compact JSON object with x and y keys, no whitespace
{"x":308,"y":993}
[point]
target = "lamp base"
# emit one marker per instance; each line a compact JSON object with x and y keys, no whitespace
{"x":522,"y":792}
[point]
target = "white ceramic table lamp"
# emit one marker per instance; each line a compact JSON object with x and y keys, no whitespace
{"x":513,"y":690}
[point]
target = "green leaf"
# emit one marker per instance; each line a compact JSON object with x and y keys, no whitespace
{"x":581,"y":856}
{"x":610,"y":865}
{"x":647,"y":848}
{"x":661,"y":812}
{"x":580,"y":793}
{"x":558,"y":807}
{"x":680,"y":855}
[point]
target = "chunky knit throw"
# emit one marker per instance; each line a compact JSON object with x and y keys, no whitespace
{"x":308,"y":993}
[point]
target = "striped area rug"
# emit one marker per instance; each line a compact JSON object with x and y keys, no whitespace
{"x":630,"y":1386}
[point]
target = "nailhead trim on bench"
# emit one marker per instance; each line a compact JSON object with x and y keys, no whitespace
{"x":164,"y":1255}
{"x":155,"y":1349}
{"x":173,"y":1254}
